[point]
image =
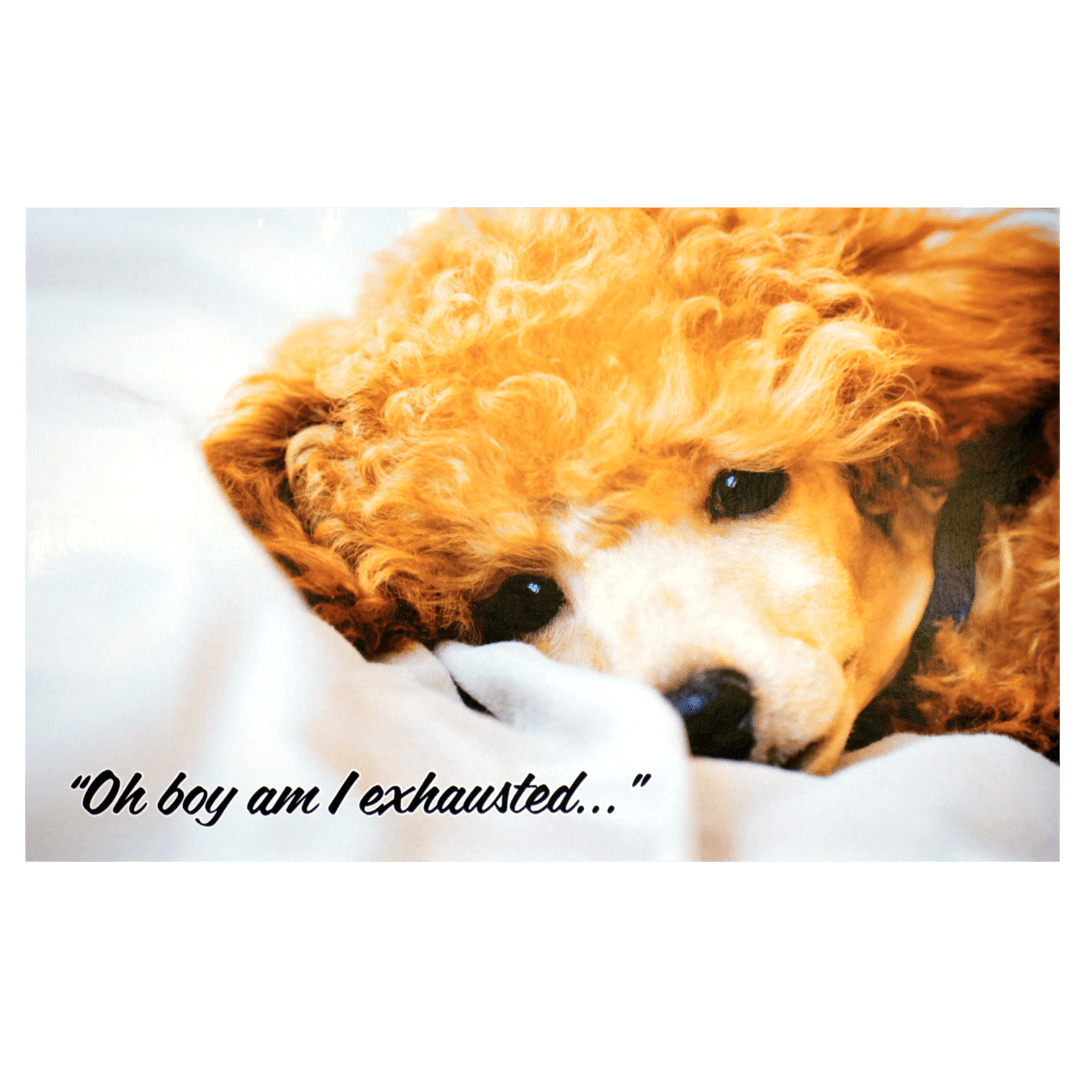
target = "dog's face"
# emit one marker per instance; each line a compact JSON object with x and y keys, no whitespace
{"x":766,"y":605}
{"x":705,"y":450}
{"x":770,"y":613}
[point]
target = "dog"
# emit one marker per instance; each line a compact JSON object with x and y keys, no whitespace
{"x":795,"y":469}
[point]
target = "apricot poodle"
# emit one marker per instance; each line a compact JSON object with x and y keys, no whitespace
{"x":796,"y":469}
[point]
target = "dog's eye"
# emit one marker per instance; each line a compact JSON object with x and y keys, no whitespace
{"x":736,"y":492}
{"x":523,"y":605}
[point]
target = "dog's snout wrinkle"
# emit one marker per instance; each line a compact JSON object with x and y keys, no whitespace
{"x":716,"y":707}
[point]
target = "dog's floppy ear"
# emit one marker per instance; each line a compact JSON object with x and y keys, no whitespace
{"x":270,"y":456}
{"x":274,"y":425}
{"x":977,"y":306}
{"x":997,"y":667}
{"x":984,"y":656}
{"x":979,"y":312}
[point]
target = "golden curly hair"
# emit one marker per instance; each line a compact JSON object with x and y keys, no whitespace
{"x":500,"y":365}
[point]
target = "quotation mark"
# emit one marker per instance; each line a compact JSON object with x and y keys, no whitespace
{"x":639,"y":781}
{"x":104,"y":788}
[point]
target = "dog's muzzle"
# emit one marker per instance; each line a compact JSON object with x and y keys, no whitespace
{"x":716,"y":707}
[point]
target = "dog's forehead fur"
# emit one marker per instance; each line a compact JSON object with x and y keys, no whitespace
{"x":592,"y":350}
{"x":613,"y":360}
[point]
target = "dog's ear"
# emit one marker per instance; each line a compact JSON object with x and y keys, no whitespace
{"x":985,"y":655}
{"x":262,"y":450}
{"x":977,"y":306}
{"x":980,"y":312}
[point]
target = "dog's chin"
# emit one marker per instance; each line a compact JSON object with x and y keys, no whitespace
{"x":819,"y":757}
{"x":814,"y":752}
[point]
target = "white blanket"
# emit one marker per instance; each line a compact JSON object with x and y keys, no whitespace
{"x":162,"y":640}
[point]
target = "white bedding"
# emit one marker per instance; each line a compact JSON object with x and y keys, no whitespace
{"x":161,"y":638}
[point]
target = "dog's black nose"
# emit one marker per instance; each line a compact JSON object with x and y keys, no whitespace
{"x":716,"y":707}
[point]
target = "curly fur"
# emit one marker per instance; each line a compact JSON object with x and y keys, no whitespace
{"x":1000,"y":672}
{"x":502,"y":366}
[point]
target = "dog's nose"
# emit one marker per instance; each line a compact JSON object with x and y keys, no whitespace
{"x":716,"y":707}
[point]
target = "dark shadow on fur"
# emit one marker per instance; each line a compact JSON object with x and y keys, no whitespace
{"x":1002,"y":469}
